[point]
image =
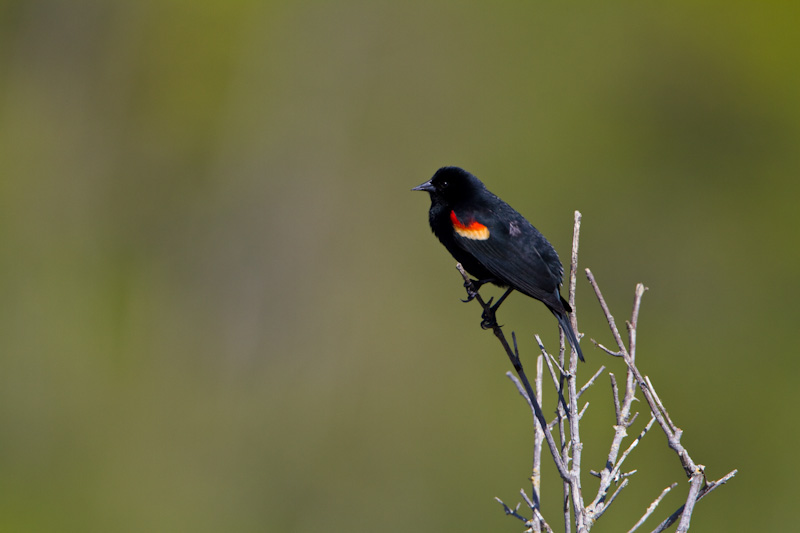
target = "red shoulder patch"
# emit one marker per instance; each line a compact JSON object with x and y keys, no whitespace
{"x":472,"y":230}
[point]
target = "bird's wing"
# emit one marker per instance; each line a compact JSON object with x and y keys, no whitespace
{"x":513,"y":250}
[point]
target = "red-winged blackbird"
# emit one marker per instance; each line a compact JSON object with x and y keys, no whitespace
{"x":495,"y":243}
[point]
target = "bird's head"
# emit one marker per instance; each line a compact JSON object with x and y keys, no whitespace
{"x":450,"y":185}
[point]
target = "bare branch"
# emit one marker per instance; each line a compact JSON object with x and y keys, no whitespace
{"x":634,"y":323}
{"x":511,"y":512}
{"x":573,"y":270}
{"x":703,"y":492}
{"x":521,"y":390}
{"x":490,"y":321}
{"x":652,"y":507}
{"x":550,"y":362}
{"x":661,"y":406}
{"x":537,"y":522}
{"x":525,"y":497}
{"x":607,"y":350}
{"x":605,"y":507}
{"x":615,"y":391}
{"x":673,"y":434}
{"x":572,"y":386}
{"x":542,"y":521}
{"x":538,"y":437}
{"x":591,"y":381}
{"x":607,"y":312}
{"x":633,"y":444}
{"x":691,"y":499}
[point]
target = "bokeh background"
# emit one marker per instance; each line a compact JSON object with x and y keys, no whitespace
{"x":222,"y":307}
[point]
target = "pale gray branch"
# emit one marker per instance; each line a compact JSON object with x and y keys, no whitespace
{"x":703,"y":492}
{"x":652,"y":507}
{"x":591,"y":381}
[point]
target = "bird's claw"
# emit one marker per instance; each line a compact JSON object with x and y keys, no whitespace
{"x":488,"y":318}
{"x":471,"y":292}
{"x":472,"y":289}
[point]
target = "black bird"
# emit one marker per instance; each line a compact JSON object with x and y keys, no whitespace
{"x":495,"y":243}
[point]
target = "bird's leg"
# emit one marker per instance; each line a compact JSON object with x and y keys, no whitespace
{"x":503,"y":297}
{"x":489,"y":318}
{"x":473,"y":286}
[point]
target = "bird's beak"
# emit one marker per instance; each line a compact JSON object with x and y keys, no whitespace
{"x":427,"y":186}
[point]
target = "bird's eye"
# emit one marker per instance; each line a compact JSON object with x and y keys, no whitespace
{"x":444,"y":184}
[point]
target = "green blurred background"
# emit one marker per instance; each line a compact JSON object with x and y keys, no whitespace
{"x":222,"y":307}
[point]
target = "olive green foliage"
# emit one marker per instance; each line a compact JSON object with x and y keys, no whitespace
{"x":222,"y":307}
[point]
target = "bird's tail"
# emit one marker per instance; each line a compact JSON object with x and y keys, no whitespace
{"x":566,"y":326}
